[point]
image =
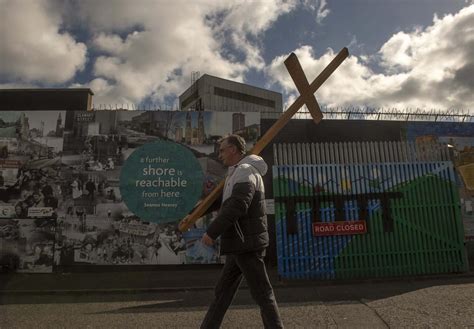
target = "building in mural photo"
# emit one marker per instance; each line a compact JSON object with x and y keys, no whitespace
{"x":60,"y":193}
{"x":30,"y":187}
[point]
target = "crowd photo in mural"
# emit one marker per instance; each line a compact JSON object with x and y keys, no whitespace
{"x":65,"y":200}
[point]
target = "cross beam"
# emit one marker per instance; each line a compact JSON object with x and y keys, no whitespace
{"x":299,"y":78}
{"x":306,"y":97}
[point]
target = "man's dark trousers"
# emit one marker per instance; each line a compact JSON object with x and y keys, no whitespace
{"x":251,"y":266}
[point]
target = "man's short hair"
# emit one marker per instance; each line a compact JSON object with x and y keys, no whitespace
{"x":235,"y":140}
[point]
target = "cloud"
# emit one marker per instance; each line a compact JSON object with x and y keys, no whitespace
{"x":138,"y":50}
{"x":33,"y":46}
{"x":323,"y":11}
{"x":430,"y":68}
{"x":110,"y":43}
{"x":149,"y":49}
{"x":345,"y":84}
{"x":319,"y":7}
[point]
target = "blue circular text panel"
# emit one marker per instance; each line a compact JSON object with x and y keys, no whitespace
{"x":161,"y":182}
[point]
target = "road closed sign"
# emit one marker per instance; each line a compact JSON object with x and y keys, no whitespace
{"x":340,"y":228}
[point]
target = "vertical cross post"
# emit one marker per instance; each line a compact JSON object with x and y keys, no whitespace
{"x":306,"y":97}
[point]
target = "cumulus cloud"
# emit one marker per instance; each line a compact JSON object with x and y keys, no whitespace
{"x":323,"y":11}
{"x":347,"y":82}
{"x":110,"y":43}
{"x":143,"y":49}
{"x":33,"y":46}
{"x":149,"y":49}
{"x":319,"y":7}
{"x":430,"y":68}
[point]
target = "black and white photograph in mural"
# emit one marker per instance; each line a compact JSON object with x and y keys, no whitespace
{"x":27,"y":245}
{"x":199,"y":132}
{"x":96,"y":227}
{"x":60,"y":200}
{"x":120,"y":239}
{"x":30,"y":188}
{"x":91,"y":225}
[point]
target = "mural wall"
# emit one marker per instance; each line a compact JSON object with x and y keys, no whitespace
{"x":367,"y":220}
{"x":459,"y":135}
{"x":460,"y":138}
{"x":61,"y":200}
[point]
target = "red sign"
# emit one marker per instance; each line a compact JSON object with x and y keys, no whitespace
{"x":340,"y":228}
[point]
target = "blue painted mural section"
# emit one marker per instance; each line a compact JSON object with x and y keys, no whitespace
{"x":302,"y":255}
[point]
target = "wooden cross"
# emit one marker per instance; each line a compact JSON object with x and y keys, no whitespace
{"x":306,"y":97}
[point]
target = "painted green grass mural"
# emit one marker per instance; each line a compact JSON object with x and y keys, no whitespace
{"x":427,"y":237}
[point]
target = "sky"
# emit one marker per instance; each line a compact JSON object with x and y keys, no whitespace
{"x":404,"y":54}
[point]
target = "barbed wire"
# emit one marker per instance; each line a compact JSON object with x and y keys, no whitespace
{"x":392,"y":114}
{"x":334,"y":113}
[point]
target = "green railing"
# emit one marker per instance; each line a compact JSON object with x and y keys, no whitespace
{"x":411,"y":212}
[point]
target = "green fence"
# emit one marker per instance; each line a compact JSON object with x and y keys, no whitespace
{"x":410,"y":210}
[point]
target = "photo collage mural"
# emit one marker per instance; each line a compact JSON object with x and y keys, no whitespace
{"x":109,"y":187}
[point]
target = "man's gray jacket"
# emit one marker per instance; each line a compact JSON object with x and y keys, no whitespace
{"x":241,"y":222}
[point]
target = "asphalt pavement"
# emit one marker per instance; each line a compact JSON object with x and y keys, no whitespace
{"x":173,"y":298}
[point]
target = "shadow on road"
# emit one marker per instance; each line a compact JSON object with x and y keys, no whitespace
{"x":296,"y":295}
{"x":291,"y":292}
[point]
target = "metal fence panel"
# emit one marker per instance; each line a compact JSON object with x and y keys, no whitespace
{"x":426,"y":232}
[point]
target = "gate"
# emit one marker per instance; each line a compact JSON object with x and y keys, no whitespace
{"x":396,"y":206}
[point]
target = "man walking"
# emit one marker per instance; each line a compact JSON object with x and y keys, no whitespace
{"x":242,"y":226}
